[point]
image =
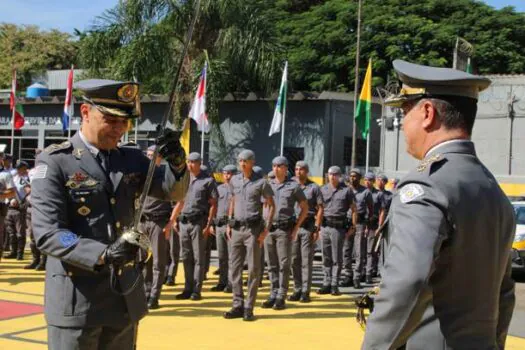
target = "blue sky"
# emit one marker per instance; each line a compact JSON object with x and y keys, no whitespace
{"x":66,"y":15}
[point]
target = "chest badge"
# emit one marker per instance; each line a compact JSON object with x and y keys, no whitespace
{"x":77,"y":153}
{"x":84,"y":211}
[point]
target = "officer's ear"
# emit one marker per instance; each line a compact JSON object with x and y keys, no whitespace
{"x":84,"y":111}
{"x":430,"y":117}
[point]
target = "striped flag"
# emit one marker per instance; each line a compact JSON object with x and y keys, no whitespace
{"x":364,"y":105}
{"x":198,"y":109}
{"x":280,"y":108}
{"x":68,"y":106}
{"x":16,"y":108}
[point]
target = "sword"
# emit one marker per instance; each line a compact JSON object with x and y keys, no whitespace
{"x":133,"y":235}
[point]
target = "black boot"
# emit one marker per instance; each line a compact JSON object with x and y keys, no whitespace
{"x":357,"y":284}
{"x":369,"y":279}
{"x":33,"y":264}
{"x":324,"y":290}
{"x":280,"y":304}
{"x":11,"y":255}
{"x":295,"y":296}
{"x":235,"y":312}
{"x":42,"y":265}
{"x":218,"y":288}
{"x":153,"y":303}
{"x":268,"y":304}
{"x":170,"y":281}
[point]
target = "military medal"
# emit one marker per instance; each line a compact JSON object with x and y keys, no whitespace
{"x":83,"y":210}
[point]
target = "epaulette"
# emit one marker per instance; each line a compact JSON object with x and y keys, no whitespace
{"x":57,"y":147}
{"x":427,"y":162}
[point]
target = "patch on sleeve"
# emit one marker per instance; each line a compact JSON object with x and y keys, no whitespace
{"x":39,"y":172}
{"x":410,"y":192}
{"x":67,"y":239}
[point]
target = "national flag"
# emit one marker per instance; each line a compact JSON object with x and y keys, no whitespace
{"x":68,"y":106}
{"x":469,"y":66}
{"x":198,"y":109}
{"x":16,"y":108}
{"x":364,"y":105}
{"x":185,"y":136}
{"x":280,"y":107}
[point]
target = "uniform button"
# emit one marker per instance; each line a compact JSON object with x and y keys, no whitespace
{"x":117,"y":224}
{"x":113,"y":201}
{"x":82,"y":199}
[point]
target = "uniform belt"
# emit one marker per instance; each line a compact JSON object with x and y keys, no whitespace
{"x":154,"y":217}
{"x":308,"y":223}
{"x":236,"y":224}
{"x":191,"y":219}
{"x":282,"y":225}
{"x":221,"y":221}
{"x":335,"y":222}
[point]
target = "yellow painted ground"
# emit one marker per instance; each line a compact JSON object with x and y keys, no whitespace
{"x":327,"y":322}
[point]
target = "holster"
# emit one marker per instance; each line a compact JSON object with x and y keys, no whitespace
{"x":338,"y":223}
{"x":284,"y":225}
{"x":309,"y":223}
{"x":190,"y":219}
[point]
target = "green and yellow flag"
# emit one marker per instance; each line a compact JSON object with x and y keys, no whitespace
{"x":364,"y":105}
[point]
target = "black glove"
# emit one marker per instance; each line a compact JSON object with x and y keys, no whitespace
{"x":170,"y":149}
{"x":120,"y":252}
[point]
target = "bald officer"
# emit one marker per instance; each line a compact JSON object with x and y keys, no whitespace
{"x":83,"y":198}
{"x":447,"y":280}
{"x":303,"y":246}
{"x":247,"y":231}
{"x":283,"y":231}
{"x":338,"y":199}
{"x":219,"y":229}
{"x":194,"y":222}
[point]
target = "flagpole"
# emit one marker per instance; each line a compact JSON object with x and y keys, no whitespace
{"x":202,"y":143}
{"x":356,"y":85}
{"x":284,"y":109}
{"x":367,"y":151}
{"x":69,"y":120}
{"x":13,"y":114}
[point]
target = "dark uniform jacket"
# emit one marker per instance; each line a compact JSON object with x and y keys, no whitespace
{"x":77,"y":212}
{"x":447,"y":275}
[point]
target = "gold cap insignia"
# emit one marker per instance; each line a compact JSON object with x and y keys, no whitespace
{"x":128,"y":93}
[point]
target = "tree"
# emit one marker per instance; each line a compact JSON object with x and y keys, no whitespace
{"x":142,"y":39}
{"x":320,"y":36}
{"x":32,"y":52}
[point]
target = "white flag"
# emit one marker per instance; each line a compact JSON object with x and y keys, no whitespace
{"x":198,"y":109}
{"x":280,"y":108}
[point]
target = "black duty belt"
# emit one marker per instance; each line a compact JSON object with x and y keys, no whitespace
{"x":190,"y":219}
{"x":338,"y":223}
{"x":222,"y":221}
{"x":284,"y":225}
{"x":308,"y":223}
{"x":237,"y":224}
{"x":155,"y":217}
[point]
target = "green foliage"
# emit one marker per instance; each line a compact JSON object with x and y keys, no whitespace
{"x":320,"y":37}
{"x":32,"y":52}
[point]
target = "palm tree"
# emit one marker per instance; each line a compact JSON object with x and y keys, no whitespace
{"x":142,"y":39}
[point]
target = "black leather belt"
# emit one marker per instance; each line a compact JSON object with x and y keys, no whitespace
{"x":222,"y":221}
{"x":284,"y":225}
{"x":236,"y":224}
{"x":338,"y":223}
{"x":190,"y":219}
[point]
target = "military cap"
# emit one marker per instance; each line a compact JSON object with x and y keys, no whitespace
{"x":21,"y":164}
{"x":229,"y":169}
{"x":280,"y":160}
{"x":382,"y":177}
{"x":111,"y":97}
{"x":423,"y":81}
{"x":246,"y":155}
{"x":302,"y":164}
{"x":370,"y":176}
{"x":271,"y":175}
{"x":356,"y":171}
{"x":194,"y":157}
{"x":334,"y":169}
{"x":258,"y":170}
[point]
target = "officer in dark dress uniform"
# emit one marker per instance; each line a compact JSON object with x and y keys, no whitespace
{"x":83,"y":197}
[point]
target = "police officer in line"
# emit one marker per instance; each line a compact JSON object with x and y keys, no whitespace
{"x":303,"y":246}
{"x":7,"y":192}
{"x":356,"y":245}
{"x":247,"y":231}
{"x":210,"y":241}
{"x":338,"y":200}
{"x":386,"y":201}
{"x":372,"y":257}
{"x":219,"y":230}
{"x":154,"y":220}
{"x":15,"y":220}
{"x":193,"y":219}
{"x":283,"y":231}
{"x":39,"y":260}
{"x":83,"y":199}
{"x":451,"y":227}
